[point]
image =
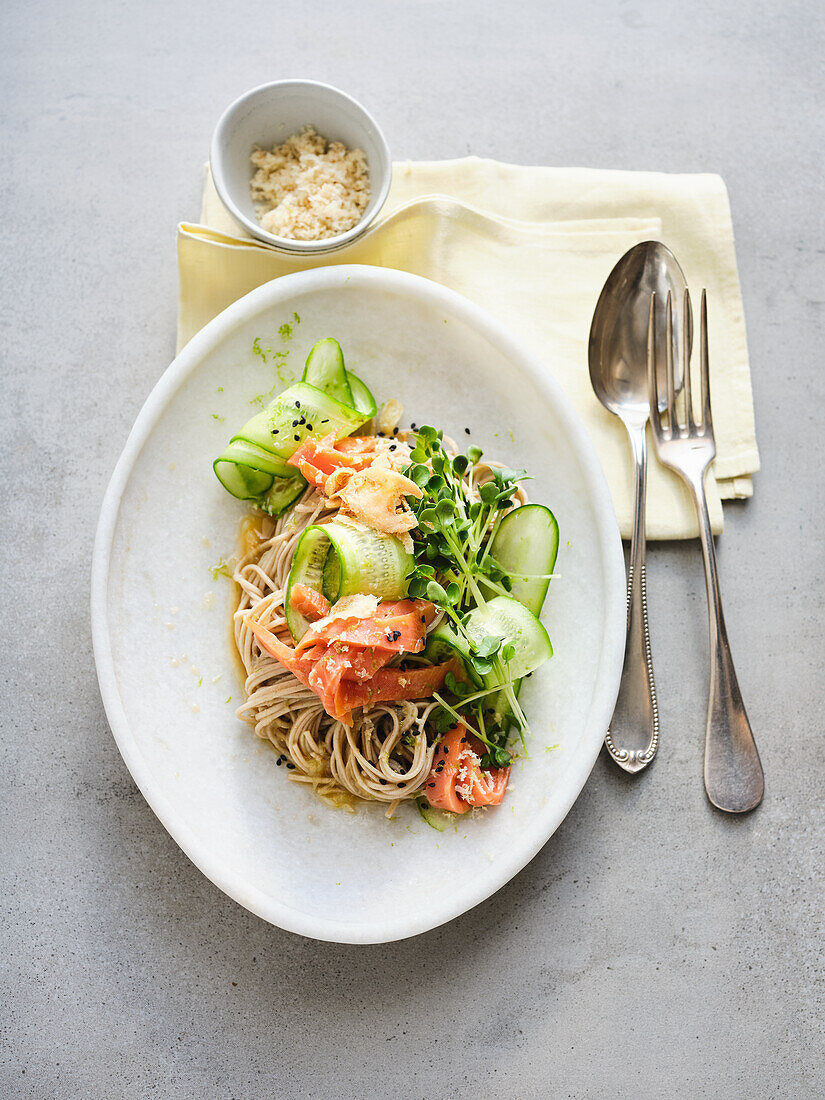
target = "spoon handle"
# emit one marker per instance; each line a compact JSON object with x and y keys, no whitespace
{"x":633,"y":737}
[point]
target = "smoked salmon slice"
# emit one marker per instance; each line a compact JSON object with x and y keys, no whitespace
{"x":390,"y":685}
{"x":346,"y":676}
{"x":456,"y":782}
{"x":309,"y":603}
{"x":399,"y":626}
{"x":318,"y":458}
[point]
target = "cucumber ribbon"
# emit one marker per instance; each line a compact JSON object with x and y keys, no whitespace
{"x":328,"y":399}
{"x":340,"y":559}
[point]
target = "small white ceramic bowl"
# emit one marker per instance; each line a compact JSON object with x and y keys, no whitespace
{"x":269,"y":114}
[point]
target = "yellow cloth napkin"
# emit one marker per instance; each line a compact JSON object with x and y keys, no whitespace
{"x":533,"y":246}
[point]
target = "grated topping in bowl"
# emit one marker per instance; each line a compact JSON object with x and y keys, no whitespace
{"x":309,"y":188}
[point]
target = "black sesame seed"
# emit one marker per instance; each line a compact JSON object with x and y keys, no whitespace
{"x":412,"y":426}
{"x":297,"y":438}
{"x":291,"y":767}
{"x":309,"y":427}
{"x":392,"y":446}
{"x":325,"y":422}
{"x":431,"y":784}
{"x":383,"y":782}
{"x":467,"y":430}
{"x":295,"y":423}
{"x":463,"y":740}
{"x":274,"y":431}
{"x":297,"y":404}
{"x":395,"y":431}
{"x":279,"y":762}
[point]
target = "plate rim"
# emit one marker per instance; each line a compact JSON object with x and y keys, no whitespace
{"x":612,"y":649}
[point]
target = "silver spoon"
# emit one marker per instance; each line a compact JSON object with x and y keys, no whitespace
{"x":618,"y":373}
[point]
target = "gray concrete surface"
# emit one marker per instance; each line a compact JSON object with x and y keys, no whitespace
{"x":653,"y":948}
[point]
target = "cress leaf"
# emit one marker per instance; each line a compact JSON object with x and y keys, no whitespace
{"x":453,"y":593}
{"x":436,"y":593}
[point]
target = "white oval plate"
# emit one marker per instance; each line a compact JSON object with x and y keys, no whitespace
{"x":161,"y":622}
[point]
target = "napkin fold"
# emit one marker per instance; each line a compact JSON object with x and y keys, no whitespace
{"x":533,"y":246}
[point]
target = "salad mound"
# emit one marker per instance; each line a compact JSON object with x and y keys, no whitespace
{"x":389,"y":608}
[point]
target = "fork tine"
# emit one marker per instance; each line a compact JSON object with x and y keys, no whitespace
{"x":687,"y":340}
{"x":704,"y":366}
{"x":671,"y":389}
{"x":652,"y":385}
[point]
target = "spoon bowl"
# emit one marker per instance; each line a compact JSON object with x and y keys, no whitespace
{"x":618,"y":334}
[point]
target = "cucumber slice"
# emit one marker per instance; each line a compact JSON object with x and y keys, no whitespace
{"x":307,"y":568}
{"x":365,"y":562}
{"x":284,"y":491}
{"x":519,"y":627}
{"x":250,"y":473}
{"x":527,"y":540}
{"x":506,"y":618}
{"x":443,"y":643}
{"x":436,"y":819}
{"x":243,"y":482}
{"x":243,"y":453}
{"x":331,"y":577}
{"x":257,"y":432}
{"x":305,"y":412}
{"x":362,"y":397}
{"x":326,"y":371}
{"x":525,"y":546}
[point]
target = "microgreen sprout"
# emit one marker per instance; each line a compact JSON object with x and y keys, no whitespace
{"x":457,"y":522}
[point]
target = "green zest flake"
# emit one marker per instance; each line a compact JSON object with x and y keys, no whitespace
{"x":258,"y":350}
{"x":263,"y":399}
{"x":220,"y":569}
{"x":216,"y":416}
{"x":228,"y":699}
{"x":296,"y":317}
{"x":220,"y":389}
{"x":280,"y":358}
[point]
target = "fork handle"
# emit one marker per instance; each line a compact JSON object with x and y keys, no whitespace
{"x":733,"y":771}
{"x":633,"y":737}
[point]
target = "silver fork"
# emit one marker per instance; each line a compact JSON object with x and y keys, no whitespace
{"x":733,"y":772}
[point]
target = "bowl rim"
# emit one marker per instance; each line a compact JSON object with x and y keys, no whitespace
{"x":217,"y":151}
{"x":612,"y":639}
